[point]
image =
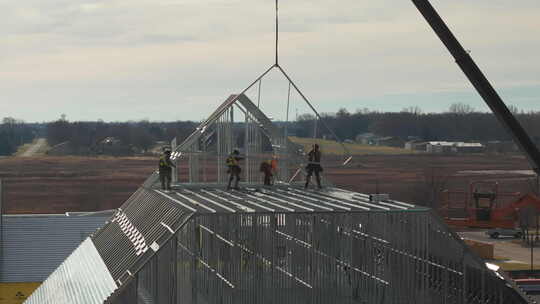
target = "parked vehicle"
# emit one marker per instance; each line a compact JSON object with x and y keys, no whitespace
{"x":496,"y":233}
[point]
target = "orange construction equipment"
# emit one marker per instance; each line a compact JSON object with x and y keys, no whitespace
{"x":481,"y":208}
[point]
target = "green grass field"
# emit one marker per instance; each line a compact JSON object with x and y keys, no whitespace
{"x":333,"y":147}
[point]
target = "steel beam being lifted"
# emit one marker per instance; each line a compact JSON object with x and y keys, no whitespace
{"x":480,"y":83}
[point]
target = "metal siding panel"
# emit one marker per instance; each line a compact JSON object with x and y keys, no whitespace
{"x":82,"y":278}
{"x":35,"y":245}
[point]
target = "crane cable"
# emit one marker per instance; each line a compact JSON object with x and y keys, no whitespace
{"x":277,"y":33}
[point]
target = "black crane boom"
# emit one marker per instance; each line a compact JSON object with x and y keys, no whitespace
{"x":481,"y":83}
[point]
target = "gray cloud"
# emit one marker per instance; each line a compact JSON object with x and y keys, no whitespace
{"x":75,"y":57}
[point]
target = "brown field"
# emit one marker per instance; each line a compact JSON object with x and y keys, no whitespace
{"x":60,"y":184}
{"x":413,"y":178}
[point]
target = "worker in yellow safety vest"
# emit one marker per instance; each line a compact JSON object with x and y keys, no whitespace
{"x":314,"y":166}
{"x":234,"y":169}
{"x":165,"y":170}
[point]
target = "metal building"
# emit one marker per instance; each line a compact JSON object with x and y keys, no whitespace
{"x":33,"y":246}
{"x":285,"y":245}
{"x":200,"y":244}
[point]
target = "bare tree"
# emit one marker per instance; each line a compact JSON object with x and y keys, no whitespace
{"x":460,"y":108}
{"x":416,"y":110}
{"x":10,"y":121}
{"x":513,"y":109}
{"x":363,"y":111}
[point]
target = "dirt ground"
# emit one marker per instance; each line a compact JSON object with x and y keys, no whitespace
{"x":506,"y":249}
{"x":415,"y":178}
{"x":60,"y":184}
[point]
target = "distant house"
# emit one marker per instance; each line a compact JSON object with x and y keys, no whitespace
{"x":445,"y":147}
{"x":462,"y":147}
{"x":416,"y":145}
{"x":389,"y":141}
{"x":439,"y":147}
{"x":421,"y":146}
{"x":112,"y":146}
{"x":410,"y":144}
{"x":366,"y":138}
{"x":110,"y":141}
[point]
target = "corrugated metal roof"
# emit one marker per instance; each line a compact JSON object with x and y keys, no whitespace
{"x":440,"y":143}
{"x":143,"y":222}
{"x":454,"y":144}
{"x":109,"y":257}
{"x":282,"y":199}
{"x":82,"y":279}
{"x":467,"y":145}
{"x":150,"y":217}
{"x":34,"y":245}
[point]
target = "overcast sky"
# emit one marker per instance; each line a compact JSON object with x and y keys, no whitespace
{"x":165,"y":60}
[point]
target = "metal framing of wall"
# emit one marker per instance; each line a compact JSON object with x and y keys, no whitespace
{"x":201,"y":245}
{"x":396,"y":256}
{"x":237,"y":124}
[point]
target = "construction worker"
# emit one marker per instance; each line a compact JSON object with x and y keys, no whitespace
{"x":314,"y":166}
{"x":274,"y":165}
{"x":234,"y":169}
{"x":266,"y":169}
{"x":165,"y":170}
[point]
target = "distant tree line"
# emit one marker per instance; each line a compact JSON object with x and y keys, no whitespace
{"x":461,"y":122}
{"x":87,"y":137}
{"x":13,"y":133}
